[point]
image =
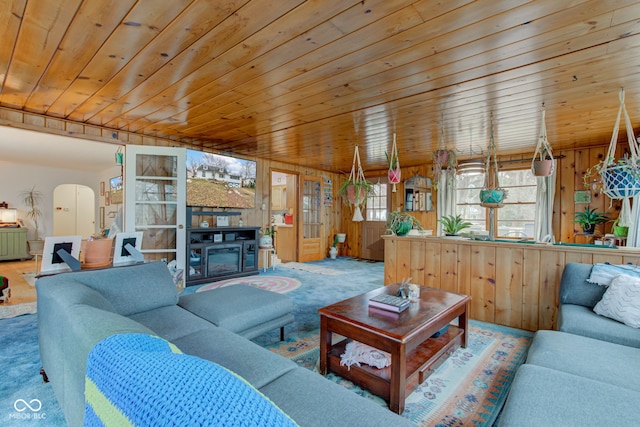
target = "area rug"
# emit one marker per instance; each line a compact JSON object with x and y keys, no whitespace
{"x":277,"y":284}
{"x":310,"y":268}
{"x":469,"y":389}
{"x":12,"y":310}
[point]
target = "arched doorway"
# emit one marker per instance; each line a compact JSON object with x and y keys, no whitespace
{"x":74,"y":211}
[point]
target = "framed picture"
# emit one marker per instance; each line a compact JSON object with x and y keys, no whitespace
{"x":107,"y":198}
{"x":51,"y":260}
{"x":101,"y":217}
{"x":102,"y":188}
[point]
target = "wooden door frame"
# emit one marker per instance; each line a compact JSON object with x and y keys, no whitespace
{"x":296,"y":199}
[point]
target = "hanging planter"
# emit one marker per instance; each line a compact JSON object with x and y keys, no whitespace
{"x":491,"y":195}
{"x":443,"y":159}
{"x":394,"y":165}
{"x":543,"y":163}
{"x":490,"y":198}
{"x":356,"y":188}
{"x":620,"y":178}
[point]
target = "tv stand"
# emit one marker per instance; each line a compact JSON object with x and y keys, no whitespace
{"x":218,"y":253}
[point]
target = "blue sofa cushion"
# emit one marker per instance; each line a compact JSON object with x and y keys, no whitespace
{"x":574,"y":288}
{"x":131,"y":289}
{"x":137,"y":379}
{"x":541,"y":396}
{"x":611,"y":363}
{"x":580,"y":320}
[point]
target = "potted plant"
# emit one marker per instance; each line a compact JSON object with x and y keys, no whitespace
{"x":614,"y":178}
{"x":542,"y":163}
{"x":399,"y":223}
{"x":31,"y":199}
{"x":355,"y":192}
{"x":443,"y":159}
{"x":619,"y":230}
{"x":333,"y":251}
{"x":452,"y":225}
{"x":589,"y":219}
{"x":394,"y":173}
{"x":266,"y":241}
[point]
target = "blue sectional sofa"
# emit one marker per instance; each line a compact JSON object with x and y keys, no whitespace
{"x":78,"y":310}
{"x":585,"y":374}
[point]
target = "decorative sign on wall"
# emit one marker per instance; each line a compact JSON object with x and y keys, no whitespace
{"x":328,"y":193}
{"x":582,"y":196}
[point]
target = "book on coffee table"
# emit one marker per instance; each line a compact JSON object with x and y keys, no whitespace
{"x":389,"y":302}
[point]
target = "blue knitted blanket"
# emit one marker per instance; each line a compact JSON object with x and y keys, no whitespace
{"x":140,"y":380}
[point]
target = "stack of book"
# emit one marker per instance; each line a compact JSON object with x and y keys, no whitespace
{"x":389,"y":302}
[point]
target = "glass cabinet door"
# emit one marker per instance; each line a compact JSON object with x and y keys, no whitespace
{"x":155,"y":190}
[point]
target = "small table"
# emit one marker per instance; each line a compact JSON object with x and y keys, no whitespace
{"x":407,"y":336}
{"x":267,"y":258}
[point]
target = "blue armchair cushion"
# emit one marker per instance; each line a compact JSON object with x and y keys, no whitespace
{"x":137,"y":379}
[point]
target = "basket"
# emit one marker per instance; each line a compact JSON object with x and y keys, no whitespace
{"x":620,"y":181}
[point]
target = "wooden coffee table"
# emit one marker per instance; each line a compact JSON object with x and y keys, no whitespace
{"x":407,"y":336}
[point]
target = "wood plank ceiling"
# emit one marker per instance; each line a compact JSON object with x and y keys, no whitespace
{"x":304,"y":81}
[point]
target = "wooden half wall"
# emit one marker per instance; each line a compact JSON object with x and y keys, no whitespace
{"x":511,"y":284}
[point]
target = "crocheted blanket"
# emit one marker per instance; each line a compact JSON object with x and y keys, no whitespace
{"x":140,"y":380}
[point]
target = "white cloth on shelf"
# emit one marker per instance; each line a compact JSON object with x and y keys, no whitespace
{"x":356,"y":353}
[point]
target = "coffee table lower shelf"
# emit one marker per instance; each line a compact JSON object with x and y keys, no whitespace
{"x":420,"y":363}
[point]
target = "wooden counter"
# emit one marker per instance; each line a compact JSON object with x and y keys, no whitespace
{"x":512,"y":284}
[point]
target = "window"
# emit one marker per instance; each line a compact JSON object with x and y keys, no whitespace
{"x":377,"y":203}
{"x":515,"y":219}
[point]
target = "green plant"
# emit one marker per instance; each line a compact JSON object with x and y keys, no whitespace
{"x":399,"y":223}
{"x":593,"y":173}
{"x":619,"y":230}
{"x":335,"y":241}
{"x":392,"y":161}
{"x":589,"y":218}
{"x":32,"y":198}
{"x":453,"y":224}
{"x":360,"y":190}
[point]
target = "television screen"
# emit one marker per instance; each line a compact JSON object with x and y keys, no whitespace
{"x":115,"y":186}
{"x":218,"y":181}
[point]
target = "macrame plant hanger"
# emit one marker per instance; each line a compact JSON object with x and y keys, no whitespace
{"x":394,"y":172}
{"x":542,"y":163}
{"x":358,"y":195}
{"x":491,"y":195}
{"x":621,"y":178}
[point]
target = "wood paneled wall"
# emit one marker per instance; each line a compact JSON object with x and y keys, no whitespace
{"x":511,"y":284}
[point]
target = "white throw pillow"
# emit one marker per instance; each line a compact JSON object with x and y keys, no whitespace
{"x":621,"y":301}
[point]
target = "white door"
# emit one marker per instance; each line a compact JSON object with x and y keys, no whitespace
{"x":74,"y":211}
{"x":155,"y":193}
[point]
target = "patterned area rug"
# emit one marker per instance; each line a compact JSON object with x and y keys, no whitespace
{"x":270,"y":283}
{"x":13,"y":310}
{"x":469,"y":389}
{"x":310,"y":268}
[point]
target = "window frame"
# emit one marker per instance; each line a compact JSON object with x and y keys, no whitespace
{"x":497,"y":213}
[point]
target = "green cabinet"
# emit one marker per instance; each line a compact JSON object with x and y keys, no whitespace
{"x":13,"y":244}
